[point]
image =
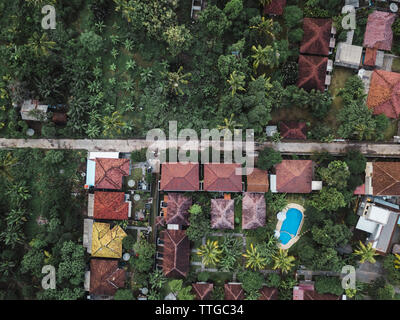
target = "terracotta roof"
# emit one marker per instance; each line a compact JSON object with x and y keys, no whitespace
{"x":276,"y":7}
{"x":293,"y":130}
{"x":222,"y":177}
{"x":268,"y":293}
{"x":257,"y":181}
{"x":202,"y":290}
{"x":312,"y":72}
{"x":160,"y":221}
{"x":294,"y":176}
{"x":222,"y":214}
{"x":234,"y":291}
{"x":176,"y":176}
{"x":110,"y":206}
{"x":386,"y":178}
{"x":106,"y":242}
{"x":253,"y":210}
{"x":317,"y":34}
{"x":378,"y":33}
{"x":109,"y":173}
{"x":176,"y":254}
{"x":178,"y":209}
{"x":384,"y":93}
{"x":360,"y":190}
{"x":370,"y":57}
{"x":105,"y":277}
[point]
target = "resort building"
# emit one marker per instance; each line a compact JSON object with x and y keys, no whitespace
{"x":257,"y":181}
{"x":222,"y":213}
{"x":254,"y":210}
{"x":107,"y":242}
{"x":267,"y":293}
{"x":378,"y":33}
{"x":275,"y":7}
{"x":176,"y":213}
{"x":176,"y":253}
{"x":293,"y":130}
{"x":202,"y":290}
{"x":306,"y":291}
{"x":234,"y":291}
{"x":382,"y":178}
{"x":292,"y":176}
{"x":317,"y":36}
{"x":312,"y":72}
{"x":178,"y":176}
{"x":109,"y":205}
{"x":348,"y":55}
{"x":221,"y":177}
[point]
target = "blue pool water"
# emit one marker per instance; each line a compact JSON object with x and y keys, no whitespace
{"x":290,"y":225}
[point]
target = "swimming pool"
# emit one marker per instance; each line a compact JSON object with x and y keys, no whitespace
{"x":290,"y":225}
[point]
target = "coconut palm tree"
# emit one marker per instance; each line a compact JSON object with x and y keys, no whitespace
{"x":176,"y":79}
{"x":210,"y":253}
{"x":40,"y":44}
{"x":283,"y":261}
{"x":267,"y":56}
{"x":265,"y":27}
{"x":6,"y":163}
{"x":254,"y":259}
{"x":112,"y":124}
{"x":229,"y":124}
{"x":236,"y":81}
{"x":366,"y":253}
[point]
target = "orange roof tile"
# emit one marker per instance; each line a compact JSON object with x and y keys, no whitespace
{"x":177,"y":176}
{"x":294,"y":176}
{"x":257,"y":181}
{"x":222,"y":177}
{"x":109,"y":173}
{"x":110,"y":206}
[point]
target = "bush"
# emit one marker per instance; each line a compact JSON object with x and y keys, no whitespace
{"x":330,"y":285}
{"x":203,"y":276}
{"x":139,"y":155}
{"x":123,"y":294}
{"x":128,"y":243}
{"x":293,"y":16}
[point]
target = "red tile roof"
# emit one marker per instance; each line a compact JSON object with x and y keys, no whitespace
{"x":386,"y":178}
{"x":222,"y":214}
{"x":176,"y":254}
{"x":384,"y":93}
{"x":222,"y":177}
{"x":267,"y":293}
{"x":202,"y":290}
{"x":254,"y":210}
{"x":234,"y":291}
{"x":105,"y":277}
{"x":109,"y":173}
{"x":294,"y":176}
{"x":370,"y":57}
{"x":110,"y":206}
{"x":293,"y":130}
{"x":257,"y":181}
{"x":360,"y":190}
{"x":317,"y":34}
{"x":178,"y":209}
{"x":177,"y":176}
{"x":276,"y":7}
{"x":312,"y":72}
{"x":378,"y":33}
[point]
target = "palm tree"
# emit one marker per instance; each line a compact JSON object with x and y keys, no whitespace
{"x":210,"y":253}
{"x":236,"y":80}
{"x":40,"y":44}
{"x":366,"y":253}
{"x":254,"y":259}
{"x":266,"y":26}
{"x":157,"y":279}
{"x":283,"y":261}
{"x":229,"y":124}
{"x":112,"y":124}
{"x":267,"y":56}
{"x":175,"y":79}
{"x":6,"y":163}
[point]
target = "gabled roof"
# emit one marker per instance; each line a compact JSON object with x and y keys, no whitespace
{"x":384,"y":93}
{"x":294,"y":176}
{"x":253,"y":210}
{"x":106,"y":242}
{"x":312,"y":72}
{"x":293,"y":130}
{"x":178,"y":209}
{"x":378,"y":33}
{"x":105,"y":277}
{"x":109,"y":173}
{"x":177,"y":176}
{"x":222,"y":177}
{"x":257,"y":181}
{"x":222,"y":214}
{"x":234,"y":291}
{"x":110,"y":206}
{"x":276,"y":7}
{"x":317,"y":34}
{"x":202,"y":290}
{"x":267,"y":293}
{"x":386,"y":178}
{"x":176,"y":255}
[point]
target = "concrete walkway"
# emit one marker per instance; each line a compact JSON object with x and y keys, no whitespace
{"x":391,"y":150}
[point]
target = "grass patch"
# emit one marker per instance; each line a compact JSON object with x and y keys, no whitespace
{"x":391,"y":130}
{"x":396,"y":65}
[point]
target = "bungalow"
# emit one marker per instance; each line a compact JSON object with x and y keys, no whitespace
{"x":221,"y":177}
{"x":306,"y":291}
{"x":234,"y":291}
{"x":317,"y":36}
{"x":313,"y":73}
{"x":275,"y":7}
{"x":267,"y":293}
{"x":105,"y":277}
{"x":109,"y":173}
{"x":202,"y":290}
{"x":383,"y":95}
{"x":378,"y":33}
{"x":293,"y":176}
{"x":177,"y":210}
{"x":109,"y":206}
{"x":177,"y":176}
{"x":222,"y":213}
{"x":91,"y":165}
{"x":107,"y":242}
{"x":295,"y":130}
{"x":257,"y":181}
{"x":382,"y":178}
{"x":254,"y":210}
{"x":176,"y":254}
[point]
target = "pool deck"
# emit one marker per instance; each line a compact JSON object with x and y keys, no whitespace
{"x":279,"y":225}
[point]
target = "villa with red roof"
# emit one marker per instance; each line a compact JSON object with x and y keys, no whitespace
{"x":109,"y":173}
{"x":178,"y":207}
{"x":276,"y":7}
{"x":111,"y":206}
{"x":317,"y":35}
{"x":222,"y":213}
{"x":384,"y":93}
{"x":257,"y":181}
{"x":222,"y":177}
{"x":293,"y":176}
{"x":176,"y":254}
{"x":293,"y":130}
{"x":312,"y":72}
{"x":383,"y":178}
{"x":267,"y":293}
{"x":202,"y":290}
{"x":234,"y":291}
{"x":178,"y":176}
{"x":254,"y":210}
{"x":378,"y":33}
{"x":105,"y":277}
